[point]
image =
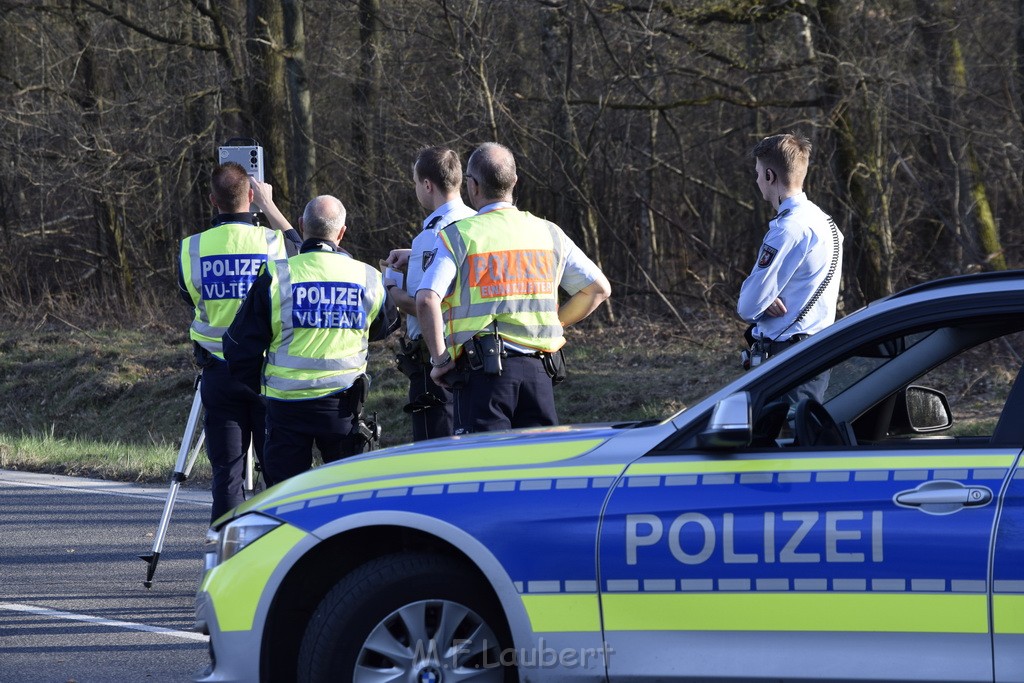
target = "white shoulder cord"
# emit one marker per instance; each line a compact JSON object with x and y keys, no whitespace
{"x":824,"y":283}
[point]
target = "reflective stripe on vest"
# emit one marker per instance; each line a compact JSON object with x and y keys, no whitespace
{"x":219,"y":266}
{"x":509,"y":266}
{"x":322,"y":304}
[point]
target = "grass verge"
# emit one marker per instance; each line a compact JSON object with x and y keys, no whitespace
{"x":112,"y":402}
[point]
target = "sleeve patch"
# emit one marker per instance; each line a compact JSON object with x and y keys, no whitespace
{"x":428,"y":258}
{"x":767,"y":256}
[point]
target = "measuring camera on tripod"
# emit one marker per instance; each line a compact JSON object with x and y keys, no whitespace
{"x":245,"y":152}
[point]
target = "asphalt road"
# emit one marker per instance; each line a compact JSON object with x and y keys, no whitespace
{"x":72,"y":602}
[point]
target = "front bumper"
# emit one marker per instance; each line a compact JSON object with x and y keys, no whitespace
{"x":234,"y":655}
{"x":234,"y":599}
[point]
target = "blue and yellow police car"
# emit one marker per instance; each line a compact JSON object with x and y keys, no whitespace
{"x":876,"y":535}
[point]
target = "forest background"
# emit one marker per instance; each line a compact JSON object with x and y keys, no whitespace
{"x":631,"y":123}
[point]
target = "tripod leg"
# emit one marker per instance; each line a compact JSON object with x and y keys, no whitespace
{"x":195,"y":453}
{"x":250,"y":466}
{"x":183,"y":466}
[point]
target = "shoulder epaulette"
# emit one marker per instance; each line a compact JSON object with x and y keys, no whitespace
{"x":780,"y":214}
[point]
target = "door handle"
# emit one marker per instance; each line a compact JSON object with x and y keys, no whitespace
{"x":965,"y":496}
{"x":944,"y":497}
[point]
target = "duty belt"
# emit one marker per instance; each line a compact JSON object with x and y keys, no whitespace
{"x":513,"y":353}
{"x":473,"y":353}
{"x":775,"y":347}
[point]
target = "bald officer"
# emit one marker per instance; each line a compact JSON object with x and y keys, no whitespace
{"x":488,"y":303}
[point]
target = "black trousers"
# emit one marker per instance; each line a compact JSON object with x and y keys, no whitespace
{"x":433,"y":422}
{"x":814,"y":388}
{"x":522,"y":396}
{"x":293,"y":427}
{"x":235,"y":417}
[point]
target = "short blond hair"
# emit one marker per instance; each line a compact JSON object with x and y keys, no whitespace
{"x":787,"y":154}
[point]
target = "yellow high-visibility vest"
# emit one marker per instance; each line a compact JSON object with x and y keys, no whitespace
{"x":219,"y":266}
{"x":509,"y":266}
{"x":322,"y":304}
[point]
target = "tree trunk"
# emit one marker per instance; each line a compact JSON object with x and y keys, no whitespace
{"x":1020,"y":60}
{"x":978,"y":232}
{"x":302,"y":155}
{"x":88,"y":90}
{"x":576,"y":198}
{"x":366,"y":111}
{"x":648,"y":229}
{"x":859,"y":168}
{"x":269,"y":95}
{"x":236,"y":115}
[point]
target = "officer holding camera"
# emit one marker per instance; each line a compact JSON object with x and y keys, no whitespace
{"x":304,"y":331}
{"x":437,"y":177}
{"x":498,"y":274}
{"x":216,"y":269}
{"x":793,"y":290}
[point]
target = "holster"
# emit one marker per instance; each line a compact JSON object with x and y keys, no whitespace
{"x":201,"y":355}
{"x":491,"y":348}
{"x":360,"y":388}
{"x":366,"y":430}
{"x":554,"y":365}
{"x":412,"y":356}
{"x":484,"y":353}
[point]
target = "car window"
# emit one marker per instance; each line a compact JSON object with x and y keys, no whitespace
{"x":868,"y":360}
{"x":977,"y":382}
{"x":944,"y":386}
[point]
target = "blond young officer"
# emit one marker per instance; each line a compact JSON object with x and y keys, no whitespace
{"x":216,"y":269}
{"x":437,"y":178}
{"x":792,"y":291}
{"x":497,"y":274}
{"x":304,"y":331}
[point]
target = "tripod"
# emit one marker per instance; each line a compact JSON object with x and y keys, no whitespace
{"x":191,"y":444}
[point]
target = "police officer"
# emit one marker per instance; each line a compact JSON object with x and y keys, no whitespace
{"x":497,"y":274}
{"x":793,"y":290}
{"x":437,"y":177}
{"x":305,"y":328}
{"x":216,"y":269}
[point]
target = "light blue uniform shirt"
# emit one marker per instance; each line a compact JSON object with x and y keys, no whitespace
{"x":422,"y":245}
{"x":795,"y":258}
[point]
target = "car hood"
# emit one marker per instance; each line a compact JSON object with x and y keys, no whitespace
{"x":540,"y":447}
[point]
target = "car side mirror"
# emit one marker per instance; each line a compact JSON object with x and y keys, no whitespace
{"x":730,"y":425}
{"x":920,"y":410}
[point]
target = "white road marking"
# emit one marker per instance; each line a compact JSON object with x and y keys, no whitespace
{"x":35,"y":480}
{"x":128,"y":625}
{"x":111,"y":488}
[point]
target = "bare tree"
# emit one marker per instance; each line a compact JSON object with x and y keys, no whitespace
{"x":630,"y":122}
{"x":302,"y":153}
{"x":366,"y":102}
{"x":970,"y":217}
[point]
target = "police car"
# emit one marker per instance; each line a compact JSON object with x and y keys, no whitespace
{"x":878,"y":536}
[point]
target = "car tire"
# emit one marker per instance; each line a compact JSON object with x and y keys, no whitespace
{"x":403,"y":615}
